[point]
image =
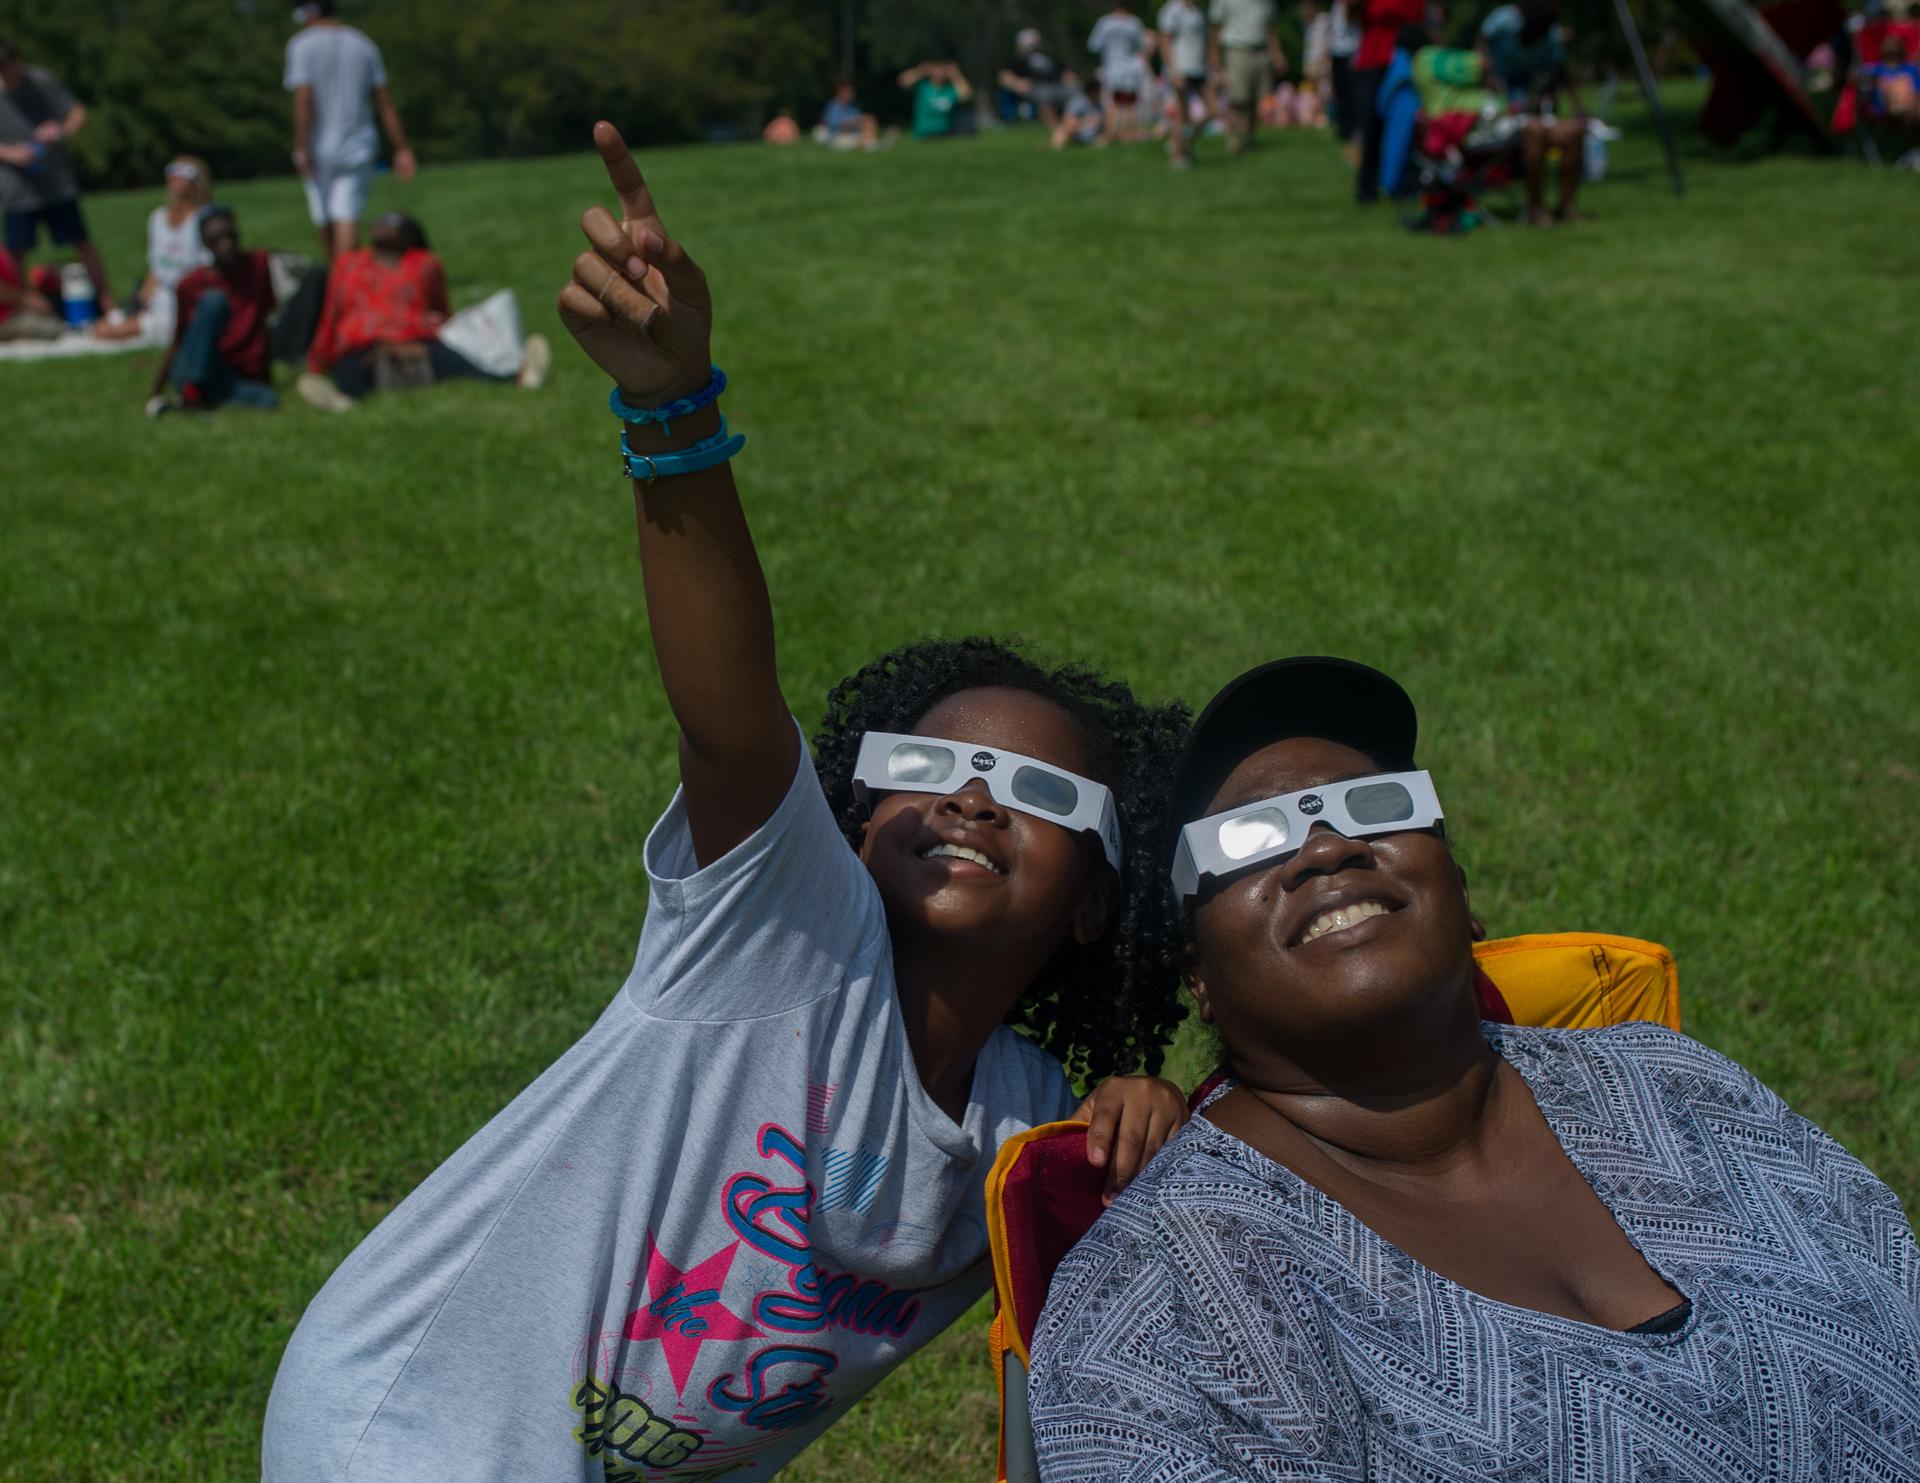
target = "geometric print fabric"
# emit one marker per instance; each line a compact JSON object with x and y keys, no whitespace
{"x":1225,"y":1319}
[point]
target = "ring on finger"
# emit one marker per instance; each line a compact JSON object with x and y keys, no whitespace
{"x":602,"y":295}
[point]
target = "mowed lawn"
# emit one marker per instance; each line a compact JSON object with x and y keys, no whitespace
{"x":327,"y":745}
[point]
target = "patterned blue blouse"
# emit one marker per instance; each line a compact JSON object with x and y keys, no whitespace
{"x":1224,"y":1319}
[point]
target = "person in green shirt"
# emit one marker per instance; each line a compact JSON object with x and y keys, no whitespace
{"x":938,"y":88}
{"x":1453,"y":82}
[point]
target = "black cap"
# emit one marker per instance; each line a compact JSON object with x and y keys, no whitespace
{"x":1308,"y":695}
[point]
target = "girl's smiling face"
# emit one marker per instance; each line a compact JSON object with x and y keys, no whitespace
{"x":959,"y":866}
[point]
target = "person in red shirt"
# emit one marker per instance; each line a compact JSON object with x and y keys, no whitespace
{"x":386,"y":302}
{"x":1382,"y":23}
{"x":219,"y":354}
{"x":25,"y":312}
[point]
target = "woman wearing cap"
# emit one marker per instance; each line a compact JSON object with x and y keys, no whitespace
{"x":174,"y":249}
{"x":1399,"y":1242}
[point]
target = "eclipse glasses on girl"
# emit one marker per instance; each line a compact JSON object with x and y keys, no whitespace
{"x":1256,"y":834}
{"x":891,"y":763}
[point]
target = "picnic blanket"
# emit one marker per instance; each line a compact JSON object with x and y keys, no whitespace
{"x":74,"y":342}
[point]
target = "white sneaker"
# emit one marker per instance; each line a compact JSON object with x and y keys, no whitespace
{"x":536,"y":359}
{"x":160,"y":405}
{"x":321,"y":394}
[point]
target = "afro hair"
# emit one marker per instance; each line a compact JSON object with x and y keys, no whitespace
{"x":1109,"y":1006}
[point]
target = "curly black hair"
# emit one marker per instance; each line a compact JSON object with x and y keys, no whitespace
{"x":1108,"y":1006}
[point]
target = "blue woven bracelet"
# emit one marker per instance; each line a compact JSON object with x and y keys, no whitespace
{"x":646,"y":467}
{"x":716,"y":383}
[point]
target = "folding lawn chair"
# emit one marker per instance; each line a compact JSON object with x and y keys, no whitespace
{"x":1421,"y":161}
{"x":1043,"y":1196}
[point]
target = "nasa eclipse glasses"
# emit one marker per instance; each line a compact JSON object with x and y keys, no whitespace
{"x":1270,"y":829}
{"x":1309,"y":695}
{"x":892,"y":763}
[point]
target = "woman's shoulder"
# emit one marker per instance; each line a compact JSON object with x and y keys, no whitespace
{"x":1682,"y":1068}
{"x":1203,"y":1180}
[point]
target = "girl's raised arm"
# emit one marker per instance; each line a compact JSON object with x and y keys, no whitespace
{"x":641,"y":309}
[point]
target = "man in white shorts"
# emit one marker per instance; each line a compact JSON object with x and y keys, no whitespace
{"x":1181,"y":35}
{"x":337,"y":80}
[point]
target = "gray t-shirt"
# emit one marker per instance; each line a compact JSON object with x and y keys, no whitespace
{"x":1243,"y":22}
{"x":343,"y":68}
{"x":1119,"y":41}
{"x":701,"y":1234}
{"x":1184,"y":25}
{"x":37,"y":98}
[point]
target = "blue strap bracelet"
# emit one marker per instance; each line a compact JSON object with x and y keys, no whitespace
{"x":680,"y":407}
{"x":646,"y":467}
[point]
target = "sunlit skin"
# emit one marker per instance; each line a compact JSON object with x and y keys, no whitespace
{"x":1363,"y":1069}
{"x":1330,"y":1002}
{"x":967,"y":940}
{"x":964,"y":951}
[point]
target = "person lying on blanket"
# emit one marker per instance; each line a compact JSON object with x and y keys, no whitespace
{"x":757,"y":1184}
{"x":1400,"y":1241}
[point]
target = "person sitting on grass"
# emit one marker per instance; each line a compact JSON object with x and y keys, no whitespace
{"x":380,"y":324}
{"x":1034,"y":78}
{"x":219,"y":355}
{"x":938,"y":88}
{"x":1082,"y":120}
{"x":174,"y":249}
{"x":757,"y":1184}
{"x":842,"y":124}
{"x":25,"y":312}
{"x":1398,"y":1241}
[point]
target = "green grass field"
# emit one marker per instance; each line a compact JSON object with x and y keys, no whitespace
{"x":327,"y":746}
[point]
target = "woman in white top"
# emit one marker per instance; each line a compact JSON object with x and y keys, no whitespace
{"x":174,"y":250}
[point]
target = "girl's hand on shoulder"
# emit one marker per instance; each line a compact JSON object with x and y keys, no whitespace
{"x":1132,"y":1117}
{"x":638,"y":305}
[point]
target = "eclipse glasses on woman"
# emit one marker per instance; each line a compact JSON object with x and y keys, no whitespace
{"x":1255,"y":834}
{"x":891,"y":763}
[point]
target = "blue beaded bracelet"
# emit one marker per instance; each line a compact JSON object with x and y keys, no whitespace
{"x":646,"y":467}
{"x":680,"y":407}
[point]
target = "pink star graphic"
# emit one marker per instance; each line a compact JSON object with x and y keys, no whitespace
{"x":686,"y":1312}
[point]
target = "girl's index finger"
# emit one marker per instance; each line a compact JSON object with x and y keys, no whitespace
{"x":636,"y":201}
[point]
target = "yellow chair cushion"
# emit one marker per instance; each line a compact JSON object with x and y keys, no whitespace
{"x":1567,"y":980}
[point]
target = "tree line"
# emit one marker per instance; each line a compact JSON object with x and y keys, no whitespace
{"x":500,"y":78}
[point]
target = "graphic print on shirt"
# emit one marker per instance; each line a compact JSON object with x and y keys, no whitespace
{"x":686,"y":1311}
{"x":776,"y":1350}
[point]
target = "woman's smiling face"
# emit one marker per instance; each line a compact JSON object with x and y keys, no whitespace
{"x":960,"y":865}
{"x":1340,"y":936}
